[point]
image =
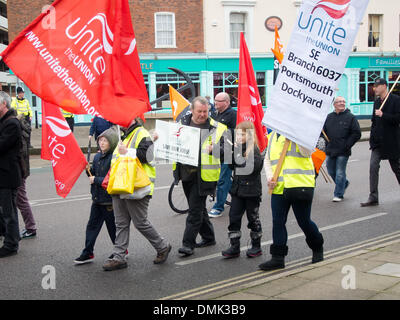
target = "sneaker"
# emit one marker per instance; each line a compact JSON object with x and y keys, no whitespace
{"x":84,"y":258}
{"x":26,"y":234}
{"x":162,"y":255}
{"x":337,"y":199}
{"x":111,"y":265}
{"x":214,"y":213}
{"x":126,"y":255}
{"x":185,"y":251}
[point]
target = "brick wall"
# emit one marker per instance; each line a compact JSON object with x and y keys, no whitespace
{"x":188,"y":22}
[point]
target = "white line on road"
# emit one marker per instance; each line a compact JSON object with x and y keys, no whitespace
{"x":297,"y":235}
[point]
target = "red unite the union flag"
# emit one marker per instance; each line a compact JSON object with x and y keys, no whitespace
{"x":59,"y":145}
{"x":86,"y":62}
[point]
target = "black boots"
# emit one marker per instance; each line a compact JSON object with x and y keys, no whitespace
{"x":255,"y":249}
{"x":278,"y":258}
{"x":234,"y":250}
{"x":317,"y":255}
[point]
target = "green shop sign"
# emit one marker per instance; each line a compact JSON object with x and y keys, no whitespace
{"x":384,"y":62}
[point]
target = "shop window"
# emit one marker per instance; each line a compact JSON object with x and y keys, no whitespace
{"x":164,"y":23}
{"x":374,"y":34}
{"x":229,"y":81}
{"x":392,"y":76}
{"x":237,"y":25}
{"x":367,"y":80}
{"x":176,"y":81}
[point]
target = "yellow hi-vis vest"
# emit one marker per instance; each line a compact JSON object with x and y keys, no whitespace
{"x":67,"y":114}
{"x":137,"y":135}
{"x":210,"y":166}
{"x":297,"y":170}
{"x":22,"y":107}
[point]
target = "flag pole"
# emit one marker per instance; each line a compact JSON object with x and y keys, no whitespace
{"x":387,"y":96}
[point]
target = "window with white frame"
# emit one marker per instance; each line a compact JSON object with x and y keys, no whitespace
{"x":374,"y":31}
{"x":237,"y":23}
{"x":164,"y":23}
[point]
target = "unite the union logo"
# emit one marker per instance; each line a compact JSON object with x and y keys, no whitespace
{"x":336,"y":9}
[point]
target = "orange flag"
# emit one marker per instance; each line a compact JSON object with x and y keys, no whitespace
{"x":318,"y":158}
{"x":278,"y":47}
{"x":179,"y":105}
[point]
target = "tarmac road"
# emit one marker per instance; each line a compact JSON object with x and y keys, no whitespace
{"x":61,"y":234}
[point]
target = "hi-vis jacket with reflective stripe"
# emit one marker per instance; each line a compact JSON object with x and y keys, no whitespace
{"x":210,"y":166}
{"x":22,"y":106}
{"x":132,"y":140}
{"x":297,"y":170}
{"x":67,"y":114}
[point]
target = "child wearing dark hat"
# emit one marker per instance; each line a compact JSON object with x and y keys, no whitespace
{"x":101,"y":210}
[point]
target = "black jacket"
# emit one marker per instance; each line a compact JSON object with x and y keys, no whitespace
{"x":10,"y":147}
{"x":99,"y":169}
{"x":343,"y":132}
{"x":385,"y":131}
{"x":186,"y":173}
{"x":246,"y":172}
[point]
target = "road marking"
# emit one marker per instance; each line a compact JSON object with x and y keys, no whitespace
{"x":297,"y":235}
{"x":37,"y":203}
{"x":272,"y":275}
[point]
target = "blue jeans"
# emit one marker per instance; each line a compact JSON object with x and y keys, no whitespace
{"x":302,"y":211}
{"x":223,"y":187}
{"x":337,"y":170}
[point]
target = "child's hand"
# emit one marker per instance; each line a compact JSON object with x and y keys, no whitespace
{"x":271,"y":183}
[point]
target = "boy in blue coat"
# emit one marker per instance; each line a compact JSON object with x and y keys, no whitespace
{"x":101,"y":210}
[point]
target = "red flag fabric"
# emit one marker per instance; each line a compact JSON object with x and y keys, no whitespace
{"x":88,"y":64}
{"x":59,"y":145}
{"x":249,"y":102}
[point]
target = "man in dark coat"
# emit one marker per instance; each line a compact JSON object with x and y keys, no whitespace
{"x":10,"y":175}
{"x":343,"y":131}
{"x":385,"y":138}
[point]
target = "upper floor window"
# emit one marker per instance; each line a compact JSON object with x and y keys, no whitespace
{"x":374,"y":31}
{"x":237,"y":25}
{"x":164,"y":29}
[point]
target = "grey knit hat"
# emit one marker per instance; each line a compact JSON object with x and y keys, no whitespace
{"x":111,"y":135}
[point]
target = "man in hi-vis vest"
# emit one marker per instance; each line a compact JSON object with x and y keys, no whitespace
{"x":201,"y":181}
{"x":21,"y":105}
{"x":137,"y":143}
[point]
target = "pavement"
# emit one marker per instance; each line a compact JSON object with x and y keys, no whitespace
{"x":363,"y":271}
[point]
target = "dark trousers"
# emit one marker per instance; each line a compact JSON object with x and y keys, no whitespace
{"x":9,"y":218}
{"x":71,"y":122}
{"x":302,"y":211}
{"x":98,"y":215}
{"x":197,"y":221}
{"x":238,"y":206}
{"x":374,"y":166}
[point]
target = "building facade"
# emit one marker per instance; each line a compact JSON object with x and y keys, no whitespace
{"x":201,"y":38}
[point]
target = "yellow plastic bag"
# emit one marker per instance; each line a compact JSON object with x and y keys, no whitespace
{"x":122,"y":176}
{"x":142,"y":179}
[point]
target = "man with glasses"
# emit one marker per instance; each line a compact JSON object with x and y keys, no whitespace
{"x":343,"y":131}
{"x":226,"y":115}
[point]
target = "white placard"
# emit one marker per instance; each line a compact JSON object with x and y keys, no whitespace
{"x":177,"y":142}
{"x":313,"y":64}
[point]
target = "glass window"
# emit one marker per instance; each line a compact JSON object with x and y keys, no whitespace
{"x":237,"y":25}
{"x":374,"y":33}
{"x":229,"y":81}
{"x":367,"y":80}
{"x":164,"y":29}
{"x":392,"y":76}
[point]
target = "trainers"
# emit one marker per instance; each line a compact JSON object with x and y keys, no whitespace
{"x":214,"y":213}
{"x":84,"y":258}
{"x":337,"y":199}
{"x":162,"y":255}
{"x":126,"y":255}
{"x":26,"y":234}
{"x":112,"y":265}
